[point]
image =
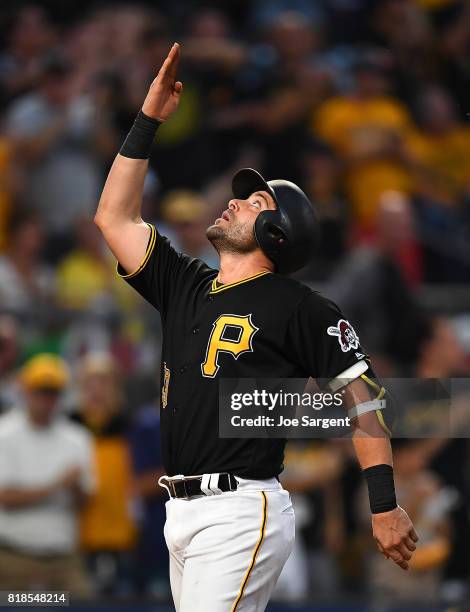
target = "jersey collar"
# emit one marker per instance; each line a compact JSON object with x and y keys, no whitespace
{"x":216,"y":289}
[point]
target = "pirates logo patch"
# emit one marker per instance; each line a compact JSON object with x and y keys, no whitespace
{"x":347,"y":337}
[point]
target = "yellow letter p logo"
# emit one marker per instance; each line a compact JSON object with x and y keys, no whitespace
{"x":218,"y":344}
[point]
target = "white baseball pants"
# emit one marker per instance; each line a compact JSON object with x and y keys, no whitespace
{"x":227,"y":550}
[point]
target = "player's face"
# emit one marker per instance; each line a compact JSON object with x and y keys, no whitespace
{"x":234,"y":230}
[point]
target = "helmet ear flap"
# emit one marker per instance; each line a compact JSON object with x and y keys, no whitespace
{"x":269,"y":233}
{"x":275,"y":232}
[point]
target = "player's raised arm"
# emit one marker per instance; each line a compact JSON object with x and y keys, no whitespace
{"x":119,"y":210}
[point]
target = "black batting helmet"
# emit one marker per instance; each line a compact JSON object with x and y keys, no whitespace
{"x":289,"y":234}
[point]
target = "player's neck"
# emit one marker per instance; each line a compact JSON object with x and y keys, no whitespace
{"x":237,"y":266}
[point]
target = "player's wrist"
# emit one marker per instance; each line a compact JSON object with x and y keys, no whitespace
{"x":381,"y":487}
{"x":139,"y":140}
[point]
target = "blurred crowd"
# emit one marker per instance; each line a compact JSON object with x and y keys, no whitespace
{"x":363,"y":103}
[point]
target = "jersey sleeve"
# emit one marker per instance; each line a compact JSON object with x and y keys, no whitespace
{"x":162,"y":271}
{"x":323,"y":342}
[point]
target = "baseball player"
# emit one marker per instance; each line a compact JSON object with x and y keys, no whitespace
{"x":230,"y":524}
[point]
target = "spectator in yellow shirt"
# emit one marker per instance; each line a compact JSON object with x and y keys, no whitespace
{"x":440,"y":149}
{"x":87,"y":274}
{"x":367,"y":129}
{"x":108,"y":531}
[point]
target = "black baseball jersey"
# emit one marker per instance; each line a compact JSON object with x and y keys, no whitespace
{"x":266,"y":326}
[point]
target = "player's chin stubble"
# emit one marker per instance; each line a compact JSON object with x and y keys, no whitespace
{"x":235,"y":239}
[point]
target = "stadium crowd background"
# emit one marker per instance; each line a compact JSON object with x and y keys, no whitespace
{"x":366,"y":105}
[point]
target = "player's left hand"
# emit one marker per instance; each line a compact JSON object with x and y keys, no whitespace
{"x":395,"y":536}
{"x":165,"y":91}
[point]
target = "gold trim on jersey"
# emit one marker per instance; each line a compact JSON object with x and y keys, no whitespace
{"x":254,"y":554}
{"x":148,"y":252}
{"x":216,"y":289}
{"x":166,"y":383}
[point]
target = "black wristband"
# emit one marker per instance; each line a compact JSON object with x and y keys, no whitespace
{"x":138,"y":143}
{"x":381,"y":488}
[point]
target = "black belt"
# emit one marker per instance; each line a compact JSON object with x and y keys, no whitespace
{"x":191,"y":486}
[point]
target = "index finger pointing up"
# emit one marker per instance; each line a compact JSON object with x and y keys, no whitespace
{"x":169,"y":66}
{"x":172,"y":60}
